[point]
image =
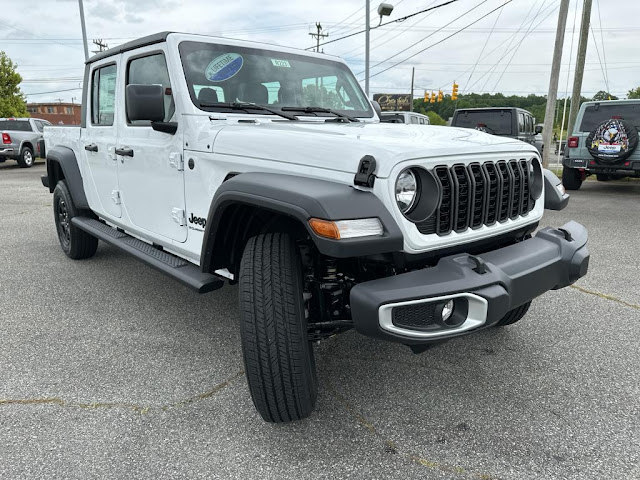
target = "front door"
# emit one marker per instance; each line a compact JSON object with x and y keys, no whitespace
{"x":151,"y":171}
{"x":98,"y":139}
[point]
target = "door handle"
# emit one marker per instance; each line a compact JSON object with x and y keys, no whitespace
{"x":92,"y":147}
{"x":124,"y":151}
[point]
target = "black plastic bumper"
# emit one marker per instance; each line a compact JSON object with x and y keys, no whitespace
{"x":513,"y":275}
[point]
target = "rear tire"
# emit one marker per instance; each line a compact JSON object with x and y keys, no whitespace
{"x":514,"y":315}
{"x":571,"y":178}
{"x":75,"y":243}
{"x":278,"y":356}
{"x":26,"y":158}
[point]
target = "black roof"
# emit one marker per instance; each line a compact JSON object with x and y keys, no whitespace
{"x":125,"y":47}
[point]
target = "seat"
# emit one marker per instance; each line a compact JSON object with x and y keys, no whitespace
{"x":287,"y":97}
{"x":253,"y":93}
{"x":207,"y":95}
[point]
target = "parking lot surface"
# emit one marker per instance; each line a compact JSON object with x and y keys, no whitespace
{"x":111,"y":370}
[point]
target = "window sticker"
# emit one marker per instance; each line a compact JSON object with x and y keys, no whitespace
{"x":280,"y":63}
{"x":223,"y":67}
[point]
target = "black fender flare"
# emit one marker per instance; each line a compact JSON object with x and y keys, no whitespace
{"x":62,"y":163}
{"x":302,"y":198}
{"x":554,"y":199}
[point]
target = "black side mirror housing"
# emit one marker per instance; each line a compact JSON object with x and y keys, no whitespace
{"x":145,"y":102}
{"x":538,"y":129}
{"x":376,"y":107}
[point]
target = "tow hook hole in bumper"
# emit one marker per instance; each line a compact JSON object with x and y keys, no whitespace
{"x":430,"y":317}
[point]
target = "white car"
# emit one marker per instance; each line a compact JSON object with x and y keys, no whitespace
{"x":404,"y":117}
{"x":218,"y":160}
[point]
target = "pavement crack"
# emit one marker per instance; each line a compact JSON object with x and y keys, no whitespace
{"x":141,"y":409}
{"x":391,"y":446}
{"x":606,"y":297}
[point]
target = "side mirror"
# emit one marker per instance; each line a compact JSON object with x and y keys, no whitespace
{"x":538,"y":129}
{"x":376,"y":107}
{"x":145,"y":102}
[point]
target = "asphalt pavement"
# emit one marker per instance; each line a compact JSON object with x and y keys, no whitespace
{"x":108,"y":369}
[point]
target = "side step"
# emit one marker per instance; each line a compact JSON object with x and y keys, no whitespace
{"x":176,"y":267}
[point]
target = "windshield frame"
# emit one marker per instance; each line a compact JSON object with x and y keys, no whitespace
{"x":186,"y":46}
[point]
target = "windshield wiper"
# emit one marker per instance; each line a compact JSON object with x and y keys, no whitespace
{"x":321,"y":110}
{"x":246,"y":106}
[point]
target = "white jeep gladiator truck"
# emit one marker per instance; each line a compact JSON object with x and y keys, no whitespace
{"x":218,"y":160}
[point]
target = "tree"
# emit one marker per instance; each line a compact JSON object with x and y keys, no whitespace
{"x":602,"y":95}
{"x":435,"y":119}
{"x":635,"y":93}
{"x":12,"y":101}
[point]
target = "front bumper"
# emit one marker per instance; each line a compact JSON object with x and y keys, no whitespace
{"x":488,"y":285}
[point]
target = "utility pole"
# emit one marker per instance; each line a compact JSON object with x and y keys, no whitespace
{"x":318,"y":36}
{"x":413,"y":72}
{"x":582,"y":55}
{"x":100,"y":44}
{"x":84,"y":32}
{"x":366,"y":50}
{"x":547,"y":130}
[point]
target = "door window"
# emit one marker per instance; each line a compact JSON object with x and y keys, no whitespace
{"x":103,"y":95}
{"x":414,"y":119}
{"x":521,"y":127}
{"x":152,"y":70}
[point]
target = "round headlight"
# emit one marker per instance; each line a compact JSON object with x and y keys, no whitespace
{"x":406,"y":191}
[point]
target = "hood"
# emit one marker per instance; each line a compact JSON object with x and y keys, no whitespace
{"x":340,"y":146}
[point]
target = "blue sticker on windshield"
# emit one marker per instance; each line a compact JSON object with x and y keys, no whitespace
{"x":223,"y":67}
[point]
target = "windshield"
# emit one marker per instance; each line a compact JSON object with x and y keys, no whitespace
{"x":15,"y":125}
{"x":496,"y":122}
{"x":594,"y":115}
{"x":223,"y":73}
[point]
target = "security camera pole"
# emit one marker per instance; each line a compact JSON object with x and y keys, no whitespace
{"x":384,"y":10}
{"x":547,"y":130}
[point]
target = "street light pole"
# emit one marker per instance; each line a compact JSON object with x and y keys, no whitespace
{"x":84,"y":32}
{"x":366,"y":50}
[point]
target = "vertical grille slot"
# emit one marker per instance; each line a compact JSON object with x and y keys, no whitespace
{"x":479,"y":194}
{"x":494,"y":182}
{"x":463,"y":189}
{"x":516,"y":191}
{"x":445,"y":210}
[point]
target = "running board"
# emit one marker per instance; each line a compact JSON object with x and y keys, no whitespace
{"x":185,"y":272}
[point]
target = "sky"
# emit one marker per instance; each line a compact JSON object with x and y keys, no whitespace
{"x":508,"y":51}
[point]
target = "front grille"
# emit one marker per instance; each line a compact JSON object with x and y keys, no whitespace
{"x":479,"y":194}
{"x":419,"y":316}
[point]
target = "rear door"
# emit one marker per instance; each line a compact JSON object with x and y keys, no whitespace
{"x":99,"y":137}
{"x":152,"y":173}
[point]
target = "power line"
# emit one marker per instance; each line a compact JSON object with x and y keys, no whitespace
{"x":515,"y":50}
{"x":604,"y":75}
{"x":428,"y":36}
{"x":483,"y":47}
{"x":53,"y":91}
{"x":443,"y":40}
{"x":402,"y":19}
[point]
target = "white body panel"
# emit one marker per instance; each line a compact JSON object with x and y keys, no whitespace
{"x":218,"y":144}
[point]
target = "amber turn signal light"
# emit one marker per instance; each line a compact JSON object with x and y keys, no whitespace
{"x":324,"y":228}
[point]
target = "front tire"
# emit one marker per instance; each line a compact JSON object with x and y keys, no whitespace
{"x":278,"y":356}
{"x":26,"y":158}
{"x":75,"y":243}
{"x":571,"y":178}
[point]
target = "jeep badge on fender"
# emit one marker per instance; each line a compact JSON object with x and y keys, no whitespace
{"x":427,"y":247}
